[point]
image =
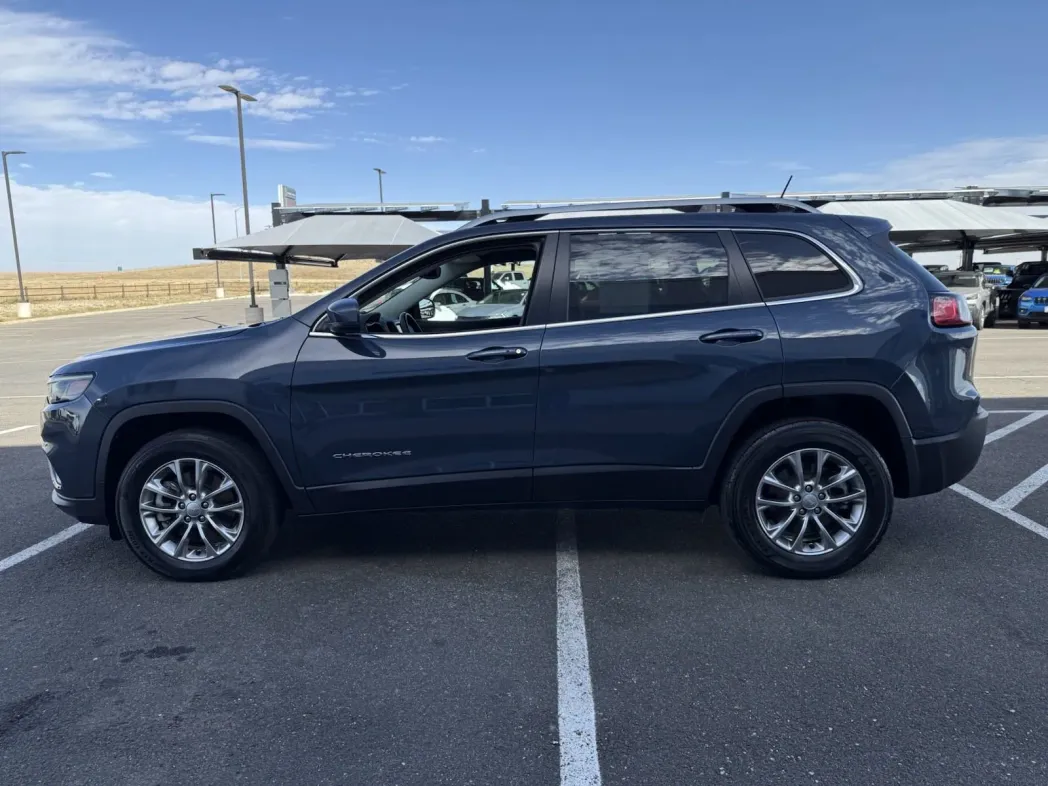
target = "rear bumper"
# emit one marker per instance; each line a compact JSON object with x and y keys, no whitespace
{"x":89,"y":511}
{"x":942,"y":461}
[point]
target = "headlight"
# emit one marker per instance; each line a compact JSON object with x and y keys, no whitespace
{"x":67,"y":388}
{"x":1026,"y":300}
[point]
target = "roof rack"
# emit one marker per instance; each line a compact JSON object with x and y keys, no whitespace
{"x":739,"y":204}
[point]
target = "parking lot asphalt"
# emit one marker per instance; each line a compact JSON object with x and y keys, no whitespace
{"x":427,"y":648}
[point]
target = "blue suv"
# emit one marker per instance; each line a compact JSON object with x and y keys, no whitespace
{"x":792,"y":367}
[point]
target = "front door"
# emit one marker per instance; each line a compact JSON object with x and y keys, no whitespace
{"x":441,"y":417}
{"x":662,"y":336}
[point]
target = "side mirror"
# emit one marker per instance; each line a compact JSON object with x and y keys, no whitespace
{"x":344,"y":317}
{"x":426,"y":309}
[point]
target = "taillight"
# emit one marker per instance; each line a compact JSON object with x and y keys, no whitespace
{"x":950,"y":311}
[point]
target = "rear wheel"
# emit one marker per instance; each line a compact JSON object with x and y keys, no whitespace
{"x":198,"y":505}
{"x":807,"y":498}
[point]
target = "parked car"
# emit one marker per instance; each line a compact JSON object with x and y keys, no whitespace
{"x":1026,"y":274}
{"x":793,"y":367}
{"x":452,"y":298}
{"x":980,"y":296}
{"x":500,"y":304}
{"x":1033,"y":304}
{"x":998,"y":276}
{"x":510,"y":279}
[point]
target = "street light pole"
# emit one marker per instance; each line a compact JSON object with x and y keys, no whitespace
{"x":254,"y":313}
{"x":381,"y":172}
{"x":236,"y":220}
{"x":214,"y":239}
{"x":24,"y":309}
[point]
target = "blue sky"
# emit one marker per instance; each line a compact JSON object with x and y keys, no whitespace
{"x":459,"y":101}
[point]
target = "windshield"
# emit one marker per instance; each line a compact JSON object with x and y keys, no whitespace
{"x":954,"y":278}
{"x":1041,"y":283}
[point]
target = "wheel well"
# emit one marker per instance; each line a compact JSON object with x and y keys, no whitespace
{"x":135,"y":433}
{"x":864,"y":414}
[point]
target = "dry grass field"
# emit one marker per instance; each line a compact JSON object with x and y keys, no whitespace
{"x":79,"y":293}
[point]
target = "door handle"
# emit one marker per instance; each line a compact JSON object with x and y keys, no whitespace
{"x":497,"y":354}
{"x":731,"y":336}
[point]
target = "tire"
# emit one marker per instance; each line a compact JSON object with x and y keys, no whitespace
{"x":756,"y":457}
{"x":1024,"y":324}
{"x":991,"y":318}
{"x":253,"y":527}
{"x":979,"y":320}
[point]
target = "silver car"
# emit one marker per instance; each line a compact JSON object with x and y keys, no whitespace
{"x":978,"y":292}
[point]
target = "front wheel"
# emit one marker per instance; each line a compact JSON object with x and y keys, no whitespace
{"x":979,"y":320}
{"x":1024,"y":324}
{"x":991,"y":318}
{"x":198,"y":505}
{"x":807,"y":498}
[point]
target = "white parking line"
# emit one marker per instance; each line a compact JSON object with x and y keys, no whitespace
{"x":1013,"y":497}
{"x":1008,"y":513}
{"x":1026,"y":376}
{"x":1004,"y":431}
{"x":1013,"y":411}
{"x":576,"y":718}
{"x":16,"y":428}
{"x":44,"y":545}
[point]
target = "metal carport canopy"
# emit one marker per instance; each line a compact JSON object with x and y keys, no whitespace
{"x":322,"y":240}
{"x":945,"y":224}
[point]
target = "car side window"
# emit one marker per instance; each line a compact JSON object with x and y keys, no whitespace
{"x":787,"y":266}
{"x":621,"y":274}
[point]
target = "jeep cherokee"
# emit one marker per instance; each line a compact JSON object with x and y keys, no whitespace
{"x":792,"y":367}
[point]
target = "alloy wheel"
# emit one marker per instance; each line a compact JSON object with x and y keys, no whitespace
{"x":191,"y":509}
{"x":810,"y":502}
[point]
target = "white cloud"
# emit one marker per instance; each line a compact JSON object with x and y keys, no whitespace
{"x":480,"y":150}
{"x":262,"y":144}
{"x":78,"y":184}
{"x":1015,"y":161}
{"x":104,"y":175}
{"x":357,"y":91}
{"x":73,"y":228}
{"x":427,"y":140}
{"x":400,"y":86}
{"x":26,"y":166}
{"x":66,"y":85}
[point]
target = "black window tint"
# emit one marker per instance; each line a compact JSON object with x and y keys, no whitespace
{"x":787,"y":266}
{"x":633,"y":273}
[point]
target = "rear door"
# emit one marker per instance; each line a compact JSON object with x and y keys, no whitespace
{"x":660,"y":334}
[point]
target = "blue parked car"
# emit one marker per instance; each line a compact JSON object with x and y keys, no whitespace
{"x":794,"y":368}
{"x":1033,"y":304}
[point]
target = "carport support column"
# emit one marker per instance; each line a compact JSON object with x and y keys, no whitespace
{"x":968,"y":254}
{"x":1044,"y":253}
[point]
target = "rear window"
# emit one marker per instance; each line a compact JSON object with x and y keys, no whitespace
{"x":787,"y":266}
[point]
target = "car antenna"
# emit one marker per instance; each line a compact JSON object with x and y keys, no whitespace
{"x":790,"y":180}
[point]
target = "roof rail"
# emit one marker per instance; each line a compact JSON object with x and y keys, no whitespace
{"x":740,"y":204}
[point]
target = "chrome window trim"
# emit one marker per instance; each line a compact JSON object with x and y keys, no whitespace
{"x":437,"y":335}
{"x":857,"y":283}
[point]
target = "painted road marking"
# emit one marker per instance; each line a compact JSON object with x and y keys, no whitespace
{"x":16,"y":428}
{"x":1027,"y":376}
{"x":44,"y":545}
{"x":38,"y":395}
{"x":1014,"y":496}
{"x":1004,"y":431}
{"x":576,"y":718}
{"x":1008,"y":513}
{"x":1013,"y":411}
{"x":1003,"y":505}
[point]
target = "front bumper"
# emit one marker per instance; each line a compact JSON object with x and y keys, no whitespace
{"x":943,"y":461}
{"x":89,"y":511}
{"x":1040,"y":317}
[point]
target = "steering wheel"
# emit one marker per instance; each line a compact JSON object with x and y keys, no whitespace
{"x":408,"y":324}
